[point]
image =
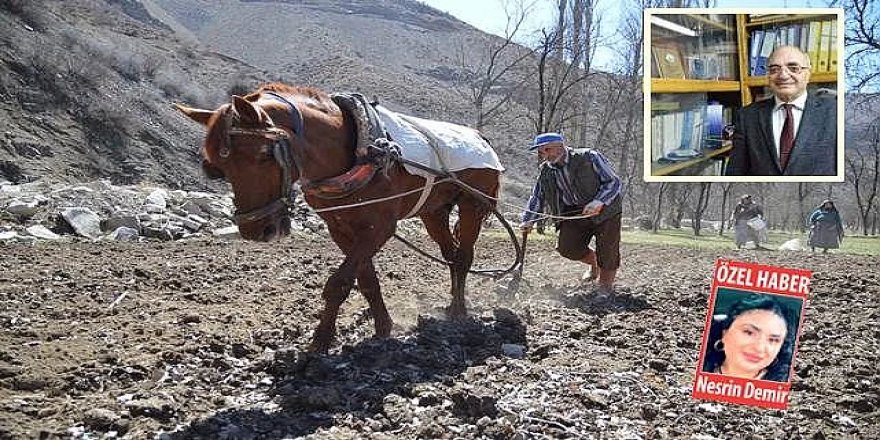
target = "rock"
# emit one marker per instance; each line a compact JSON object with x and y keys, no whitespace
{"x":229,"y":232}
{"x":153,"y":208}
{"x":194,"y":222}
{"x":710,"y":407}
{"x":40,"y":231}
{"x":516,"y":351}
{"x":84,"y":221}
{"x":22,"y":209}
{"x":158,"y":199}
{"x":124,"y":233}
{"x":660,"y":365}
{"x":124,"y":220}
{"x":8,"y":235}
{"x":474,"y":405}
{"x":191,"y":208}
{"x":99,"y":418}
{"x":154,"y":407}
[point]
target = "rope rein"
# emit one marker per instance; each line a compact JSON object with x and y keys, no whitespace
{"x":379,"y":200}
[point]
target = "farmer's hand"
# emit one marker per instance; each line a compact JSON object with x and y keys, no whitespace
{"x":593,"y":208}
{"x":526,"y":228}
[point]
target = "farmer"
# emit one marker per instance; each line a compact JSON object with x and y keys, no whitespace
{"x":826,"y":229}
{"x":746,"y":211}
{"x":579,"y":191}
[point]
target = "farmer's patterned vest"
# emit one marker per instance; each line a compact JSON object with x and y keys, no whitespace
{"x":584,"y":182}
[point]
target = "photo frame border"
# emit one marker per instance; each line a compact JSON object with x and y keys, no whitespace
{"x":648,"y":177}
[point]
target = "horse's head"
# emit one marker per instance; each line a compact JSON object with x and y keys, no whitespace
{"x":255,"y":155}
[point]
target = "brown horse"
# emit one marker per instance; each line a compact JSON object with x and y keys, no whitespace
{"x":244,"y":145}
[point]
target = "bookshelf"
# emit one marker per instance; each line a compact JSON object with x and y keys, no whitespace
{"x":705,"y":66}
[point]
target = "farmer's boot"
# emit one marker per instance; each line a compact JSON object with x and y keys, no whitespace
{"x":606,"y":279}
{"x":593,"y":272}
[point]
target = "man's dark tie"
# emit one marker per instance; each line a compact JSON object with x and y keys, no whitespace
{"x":786,"y":141}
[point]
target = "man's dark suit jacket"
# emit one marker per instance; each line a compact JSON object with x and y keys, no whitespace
{"x":815,"y":144}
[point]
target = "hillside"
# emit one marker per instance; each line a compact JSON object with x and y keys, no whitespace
{"x":86,"y":85}
{"x":86,"y":93}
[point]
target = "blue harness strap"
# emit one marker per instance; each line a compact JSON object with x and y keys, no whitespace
{"x":296,"y":118}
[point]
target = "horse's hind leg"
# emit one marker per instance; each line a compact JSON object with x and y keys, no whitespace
{"x":336,"y":291}
{"x":368,"y":283}
{"x":467,"y":229}
{"x":437,"y":225}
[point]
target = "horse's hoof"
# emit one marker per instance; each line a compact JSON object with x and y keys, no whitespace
{"x":456,"y":313}
{"x":318,"y":347}
{"x":383,"y":330}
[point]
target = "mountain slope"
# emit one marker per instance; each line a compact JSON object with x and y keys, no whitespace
{"x":86,"y":85}
{"x":86,"y":93}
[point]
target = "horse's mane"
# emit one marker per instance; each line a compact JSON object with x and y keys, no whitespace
{"x":317,"y":96}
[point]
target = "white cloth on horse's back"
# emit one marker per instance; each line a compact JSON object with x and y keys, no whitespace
{"x":457,"y":147}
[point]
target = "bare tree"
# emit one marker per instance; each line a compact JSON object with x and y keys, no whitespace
{"x":703,"y":197}
{"x":804,"y":191}
{"x":725,"y":196}
{"x":489,"y":84}
{"x":679,"y":195}
{"x":658,"y":206}
{"x":863,"y":173}
{"x":862,"y":41}
{"x":563,"y":60}
{"x":619,"y":126}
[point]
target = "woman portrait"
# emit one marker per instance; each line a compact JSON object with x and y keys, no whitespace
{"x":752,"y":336}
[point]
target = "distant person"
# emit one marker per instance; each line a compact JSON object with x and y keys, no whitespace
{"x":753,"y":339}
{"x":826,"y":228}
{"x":792,"y":134}
{"x":581,"y":184}
{"x":744,"y":212}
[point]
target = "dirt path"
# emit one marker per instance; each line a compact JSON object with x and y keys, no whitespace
{"x":203,"y":339}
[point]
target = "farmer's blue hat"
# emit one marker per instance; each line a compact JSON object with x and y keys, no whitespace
{"x":544,"y":139}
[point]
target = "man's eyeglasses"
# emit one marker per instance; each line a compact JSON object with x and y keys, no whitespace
{"x":776,"y":69}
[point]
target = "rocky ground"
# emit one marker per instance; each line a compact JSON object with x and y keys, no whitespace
{"x":203,"y":338}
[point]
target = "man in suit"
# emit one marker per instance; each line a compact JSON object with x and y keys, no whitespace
{"x":792,"y":134}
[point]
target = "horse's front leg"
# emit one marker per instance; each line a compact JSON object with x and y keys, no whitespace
{"x":368,"y":283}
{"x":336,"y":291}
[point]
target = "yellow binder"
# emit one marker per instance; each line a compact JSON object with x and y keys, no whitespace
{"x":813,"y":41}
{"x":832,"y":48}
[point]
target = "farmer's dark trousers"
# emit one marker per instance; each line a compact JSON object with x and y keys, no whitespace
{"x":575,"y":236}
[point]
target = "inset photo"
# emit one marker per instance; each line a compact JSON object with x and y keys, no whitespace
{"x":737,"y":95}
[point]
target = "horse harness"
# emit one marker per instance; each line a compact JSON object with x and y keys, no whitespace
{"x":373,"y":151}
{"x":282,"y":151}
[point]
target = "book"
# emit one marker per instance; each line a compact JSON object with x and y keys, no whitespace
{"x":669,"y":62}
{"x":832,"y":48}
{"x":660,"y":106}
{"x":766,"y":49}
{"x":813,"y":42}
{"x":824,"y":46}
{"x":804,"y":37}
{"x":756,"y":40}
{"x":714,"y":124}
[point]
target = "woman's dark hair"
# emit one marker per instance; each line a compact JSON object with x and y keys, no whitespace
{"x":778,"y":370}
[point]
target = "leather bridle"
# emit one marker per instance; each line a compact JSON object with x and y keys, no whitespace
{"x":282,"y":151}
